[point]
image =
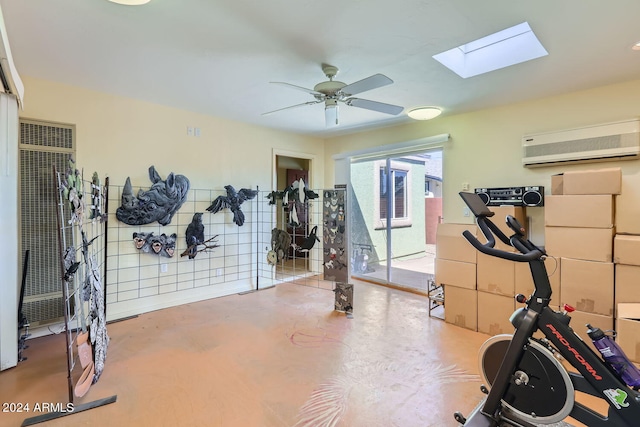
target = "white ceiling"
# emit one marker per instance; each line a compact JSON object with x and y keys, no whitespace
{"x":217,"y":57}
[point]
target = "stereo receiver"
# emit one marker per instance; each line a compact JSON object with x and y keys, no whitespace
{"x":513,"y":196}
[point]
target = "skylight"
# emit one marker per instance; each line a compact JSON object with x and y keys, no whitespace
{"x":499,"y":50}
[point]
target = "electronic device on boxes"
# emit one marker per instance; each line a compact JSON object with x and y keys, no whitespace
{"x":513,"y":196}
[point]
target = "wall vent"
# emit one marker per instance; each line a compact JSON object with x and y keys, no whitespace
{"x":42,"y":145}
{"x":606,"y":142}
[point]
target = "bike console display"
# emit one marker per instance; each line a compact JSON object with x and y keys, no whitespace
{"x":476,"y":205}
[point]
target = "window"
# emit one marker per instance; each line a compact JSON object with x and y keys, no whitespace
{"x":399,"y":192}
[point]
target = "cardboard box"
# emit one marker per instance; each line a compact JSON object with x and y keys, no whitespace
{"x":630,"y":310}
{"x":494,"y":312}
{"x":556,"y":184}
{"x":451,"y":245}
{"x":495,"y":275}
{"x":524,"y":280}
{"x":587,"y":286}
{"x":627,"y":283}
{"x":628,"y":337}
{"x":628,"y":205}
{"x":579,"y":319}
{"x":590,"y":211}
{"x":500,"y":219}
{"x":455,"y":273}
{"x":461,"y":307}
{"x":590,"y":244}
{"x":599,"y":181}
{"x":628,"y":329}
{"x":626,"y":249}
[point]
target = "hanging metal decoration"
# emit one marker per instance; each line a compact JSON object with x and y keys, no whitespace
{"x":159,"y":203}
{"x":232,"y":201}
{"x":161,"y":245}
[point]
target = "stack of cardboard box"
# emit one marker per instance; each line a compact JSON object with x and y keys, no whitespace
{"x":479,"y":289}
{"x":626,"y":251}
{"x":582,"y":215}
{"x":627,"y":258}
{"x":496,"y":278}
{"x":456,"y":272}
{"x":579,"y":231}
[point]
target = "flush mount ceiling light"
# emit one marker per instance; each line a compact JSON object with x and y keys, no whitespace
{"x":424,"y":113}
{"x":499,"y":50}
{"x":636,"y":46}
{"x":131,"y":2}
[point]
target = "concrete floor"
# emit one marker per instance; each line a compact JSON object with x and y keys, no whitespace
{"x":278,"y":357}
{"x":412,"y":272}
{"x":281,"y":357}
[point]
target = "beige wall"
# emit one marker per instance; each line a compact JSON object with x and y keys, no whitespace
{"x":122,"y":137}
{"x":485,"y":146}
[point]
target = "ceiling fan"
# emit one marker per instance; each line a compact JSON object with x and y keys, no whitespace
{"x":331,"y":92}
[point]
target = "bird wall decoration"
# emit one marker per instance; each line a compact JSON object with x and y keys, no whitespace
{"x":297,"y":191}
{"x":232,"y":201}
{"x":195,"y":238}
{"x":194,"y":235}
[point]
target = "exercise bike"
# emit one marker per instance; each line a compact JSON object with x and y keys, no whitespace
{"x":527,"y":385}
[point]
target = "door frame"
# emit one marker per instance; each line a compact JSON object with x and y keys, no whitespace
{"x":343,"y":161}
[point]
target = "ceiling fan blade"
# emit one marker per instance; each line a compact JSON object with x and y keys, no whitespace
{"x":375,"y":106}
{"x":303,"y":89}
{"x":372,"y":82}
{"x":292,"y":106}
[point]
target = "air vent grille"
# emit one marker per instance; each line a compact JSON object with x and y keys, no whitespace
{"x":54,"y":136}
{"x":44,"y":311}
{"x":41,"y":147}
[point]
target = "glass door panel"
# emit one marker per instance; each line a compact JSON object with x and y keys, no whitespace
{"x":367,"y":242}
{"x":396,"y":206}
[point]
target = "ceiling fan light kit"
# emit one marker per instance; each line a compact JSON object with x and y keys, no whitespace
{"x":424,"y":113}
{"x":332,"y":92}
{"x":331,"y":112}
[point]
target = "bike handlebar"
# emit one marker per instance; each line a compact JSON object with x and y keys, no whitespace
{"x":528,"y":250}
{"x":488,"y":249}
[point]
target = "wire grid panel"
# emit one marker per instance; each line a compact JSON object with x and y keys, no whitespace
{"x":226,"y":269}
{"x":299,"y":267}
{"x":77,"y":306}
{"x":265,"y":222}
{"x":67,"y":241}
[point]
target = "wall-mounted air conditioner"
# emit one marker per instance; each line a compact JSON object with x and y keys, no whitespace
{"x":606,"y":142}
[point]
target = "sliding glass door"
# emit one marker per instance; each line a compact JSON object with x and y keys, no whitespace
{"x":396,"y":205}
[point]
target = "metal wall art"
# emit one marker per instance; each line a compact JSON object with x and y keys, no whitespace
{"x":195,"y":238}
{"x":158,"y":203}
{"x":280,"y":243}
{"x":162,"y":245}
{"x":232,"y":201}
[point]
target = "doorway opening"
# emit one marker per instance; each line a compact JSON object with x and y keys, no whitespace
{"x":295,"y":216}
{"x":396,"y":206}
